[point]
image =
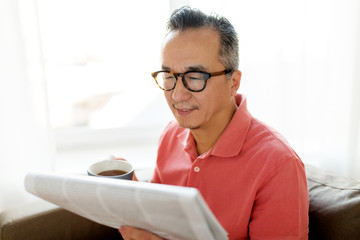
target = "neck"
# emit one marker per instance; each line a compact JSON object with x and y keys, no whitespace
{"x":206,"y":137}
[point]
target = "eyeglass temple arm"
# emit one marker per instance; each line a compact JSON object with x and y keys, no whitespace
{"x":221,"y":72}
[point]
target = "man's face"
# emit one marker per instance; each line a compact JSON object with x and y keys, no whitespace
{"x":197,"y":49}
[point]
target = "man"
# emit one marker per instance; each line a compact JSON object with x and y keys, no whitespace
{"x":249,"y":176}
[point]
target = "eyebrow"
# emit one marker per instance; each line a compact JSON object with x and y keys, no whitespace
{"x":189,"y":68}
{"x":196,"y":68}
{"x":163,"y":67}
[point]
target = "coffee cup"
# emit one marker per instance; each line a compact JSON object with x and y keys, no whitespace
{"x":111,"y":168}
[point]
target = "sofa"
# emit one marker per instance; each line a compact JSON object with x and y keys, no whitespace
{"x":334,"y":211}
{"x":334,"y":214}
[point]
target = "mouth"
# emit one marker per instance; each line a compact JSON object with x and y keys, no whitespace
{"x":183,"y":111}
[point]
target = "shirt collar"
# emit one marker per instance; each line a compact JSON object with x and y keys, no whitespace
{"x":231,"y":140}
{"x":187,"y":140}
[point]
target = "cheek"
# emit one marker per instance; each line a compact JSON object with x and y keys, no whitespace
{"x":214,"y":100}
{"x":168,"y":97}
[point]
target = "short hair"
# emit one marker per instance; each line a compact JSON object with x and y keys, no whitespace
{"x":186,"y":18}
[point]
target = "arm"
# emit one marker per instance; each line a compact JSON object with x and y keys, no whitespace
{"x":281,"y":206}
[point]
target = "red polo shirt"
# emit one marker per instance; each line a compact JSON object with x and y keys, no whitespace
{"x":251,"y":179}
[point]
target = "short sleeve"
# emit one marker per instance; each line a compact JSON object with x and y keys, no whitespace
{"x":281,"y":205}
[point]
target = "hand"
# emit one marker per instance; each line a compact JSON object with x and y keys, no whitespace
{"x":131,"y":233}
{"x":112,"y":157}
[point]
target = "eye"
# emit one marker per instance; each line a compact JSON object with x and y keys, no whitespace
{"x":167,"y":76}
{"x":194,"y":78}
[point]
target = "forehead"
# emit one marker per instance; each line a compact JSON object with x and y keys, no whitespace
{"x":182,"y":49}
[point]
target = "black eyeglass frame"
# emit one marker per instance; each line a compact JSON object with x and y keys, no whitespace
{"x":206,"y":76}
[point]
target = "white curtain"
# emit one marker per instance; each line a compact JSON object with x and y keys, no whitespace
{"x":25,"y":144}
{"x":301,"y":73}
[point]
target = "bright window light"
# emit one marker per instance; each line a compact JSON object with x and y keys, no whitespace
{"x":98,"y":57}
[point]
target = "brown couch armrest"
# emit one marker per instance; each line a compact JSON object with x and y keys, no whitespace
{"x":334,"y":211}
{"x":42,"y":221}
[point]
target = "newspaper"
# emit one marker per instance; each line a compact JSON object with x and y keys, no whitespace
{"x":172,"y":212}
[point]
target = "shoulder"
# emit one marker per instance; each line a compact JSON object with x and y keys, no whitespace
{"x":171,"y":129}
{"x":170,"y":132}
{"x":265,"y":135}
{"x":269,"y":146}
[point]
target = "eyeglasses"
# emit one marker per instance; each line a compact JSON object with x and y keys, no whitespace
{"x":194,"y":81}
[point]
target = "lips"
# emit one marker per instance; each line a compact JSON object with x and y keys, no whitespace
{"x":183,"y":111}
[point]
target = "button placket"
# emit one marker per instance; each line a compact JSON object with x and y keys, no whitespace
{"x":194,"y":173}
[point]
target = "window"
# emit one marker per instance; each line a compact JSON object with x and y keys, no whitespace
{"x":98,"y":56}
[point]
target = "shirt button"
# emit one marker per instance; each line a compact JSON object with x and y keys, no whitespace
{"x":196,"y":169}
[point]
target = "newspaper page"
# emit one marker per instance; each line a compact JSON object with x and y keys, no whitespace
{"x":172,"y":212}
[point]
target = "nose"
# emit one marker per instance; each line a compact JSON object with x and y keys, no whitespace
{"x":180,"y":93}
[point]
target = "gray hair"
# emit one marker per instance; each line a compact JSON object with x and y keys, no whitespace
{"x":186,"y":18}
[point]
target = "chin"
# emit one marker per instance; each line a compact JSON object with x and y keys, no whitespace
{"x":187,"y":125}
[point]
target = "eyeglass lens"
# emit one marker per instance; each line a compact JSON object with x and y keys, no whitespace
{"x":193,"y":80}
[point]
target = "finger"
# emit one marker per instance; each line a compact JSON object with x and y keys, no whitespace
{"x":131,"y":233}
{"x":112,"y":157}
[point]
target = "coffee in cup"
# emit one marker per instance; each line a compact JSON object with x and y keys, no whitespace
{"x":112,"y":168}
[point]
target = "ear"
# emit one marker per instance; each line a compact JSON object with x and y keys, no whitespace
{"x":236,"y":79}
